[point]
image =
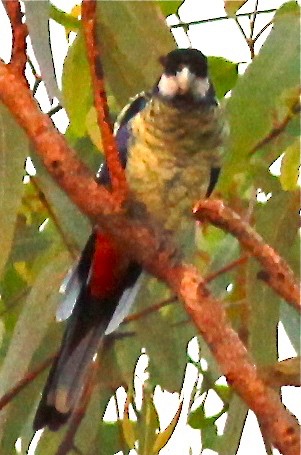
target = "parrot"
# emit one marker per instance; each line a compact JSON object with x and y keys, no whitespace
{"x":169,"y":142}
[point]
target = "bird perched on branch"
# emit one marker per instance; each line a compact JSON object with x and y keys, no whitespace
{"x":169,"y":142}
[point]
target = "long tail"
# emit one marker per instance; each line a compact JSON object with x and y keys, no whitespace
{"x":92,"y":318}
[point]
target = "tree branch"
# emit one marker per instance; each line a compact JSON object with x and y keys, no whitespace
{"x":277,"y":130}
{"x":151,"y":247}
{"x":13,"y":392}
{"x":19,"y":32}
{"x":277,"y":274}
{"x":117,"y":174}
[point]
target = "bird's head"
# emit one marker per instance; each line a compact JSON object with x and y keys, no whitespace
{"x":185,"y":78}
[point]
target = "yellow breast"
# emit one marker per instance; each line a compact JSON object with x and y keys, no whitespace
{"x":170,"y":159}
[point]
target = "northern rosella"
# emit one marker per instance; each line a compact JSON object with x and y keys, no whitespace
{"x":169,"y":142}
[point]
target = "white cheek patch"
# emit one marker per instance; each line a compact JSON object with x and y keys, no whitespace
{"x":200,"y":87}
{"x":168,"y":85}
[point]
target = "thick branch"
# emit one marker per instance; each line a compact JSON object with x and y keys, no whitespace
{"x":150,"y":247}
{"x":117,"y":174}
{"x":19,"y":32}
{"x":277,"y":273}
{"x":69,"y":172}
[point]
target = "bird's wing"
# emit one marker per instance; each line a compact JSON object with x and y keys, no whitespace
{"x":78,"y":275}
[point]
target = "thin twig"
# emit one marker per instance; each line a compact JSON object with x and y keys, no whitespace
{"x":150,"y":309}
{"x":212,"y":276}
{"x":262,"y":30}
{"x":242,"y":30}
{"x":38,"y":78}
{"x":277,"y":273}
{"x":220,"y":18}
{"x":117,"y":174}
{"x":31,"y":376}
{"x":252,"y":24}
{"x":19,"y":32}
{"x":277,"y":130}
{"x":54,"y":110}
{"x":173,"y":298}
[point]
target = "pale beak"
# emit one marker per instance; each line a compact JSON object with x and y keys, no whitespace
{"x":184,"y":80}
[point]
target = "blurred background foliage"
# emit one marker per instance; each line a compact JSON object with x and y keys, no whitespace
{"x":42,"y":233}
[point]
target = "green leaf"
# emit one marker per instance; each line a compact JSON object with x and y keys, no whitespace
{"x":148,"y":423}
{"x":125,"y":73}
{"x":224,"y":392}
{"x":37,"y":21}
{"x":73,"y":224}
{"x":290,"y":167}
{"x":232,"y":6}
{"x":291,"y":321}
{"x":288,"y":8}
{"x":76,"y":81}
{"x":236,"y":417}
{"x":129,"y":427}
{"x":13,"y":151}
{"x":93,"y":128}
{"x":33,"y":322}
{"x":66,"y":20}
{"x":257,"y":96}
{"x":197,"y":418}
{"x":224,"y":75}
{"x":108,"y":440}
{"x":166,"y":348}
{"x":169,"y":7}
{"x":164,"y":436}
{"x":210,"y":437}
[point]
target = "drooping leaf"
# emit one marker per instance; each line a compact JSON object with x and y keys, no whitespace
{"x":291,"y":322}
{"x":13,"y":151}
{"x":74,"y":226}
{"x":108,"y":439}
{"x":232,"y":6}
{"x":166,"y":348}
{"x":197,"y":417}
{"x":290,"y":167}
{"x":264,"y":302}
{"x":198,"y":420}
{"x":210,"y":438}
{"x":93,"y":128}
{"x":236,"y":417}
{"x":164,"y":436}
{"x":37,"y":20}
{"x":129,"y":427}
{"x":76,"y":86}
{"x":169,"y":7}
{"x":69,"y":21}
{"x":130,"y":58}
{"x":256,"y":98}
{"x":224,"y":75}
{"x":29,"y":331}
{"x":148,"y":423}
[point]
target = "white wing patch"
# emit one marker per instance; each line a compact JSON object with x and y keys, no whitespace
{"x":70,"y":288}
{"x":123,"y":308}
